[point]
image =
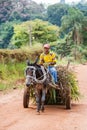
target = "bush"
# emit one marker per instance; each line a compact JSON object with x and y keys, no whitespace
{"x":68,"y":79}
{"x":19,"y":55}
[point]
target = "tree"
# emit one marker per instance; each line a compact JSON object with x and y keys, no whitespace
{"x":72,"y":22}
{"x":56,"y":12}
{"x":41,"y":32}
{"x":82,"y":6}
{"x":5,"y":34}
{"x":84,"y":31}
{"x":45,"y":32}
{"x":22,"y":10}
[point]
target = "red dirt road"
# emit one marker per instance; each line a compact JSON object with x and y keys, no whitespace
{"x":14,"y":117}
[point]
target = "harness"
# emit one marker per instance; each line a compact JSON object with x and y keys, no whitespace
{"x":45,"y":77}
{"x":33,"y":77}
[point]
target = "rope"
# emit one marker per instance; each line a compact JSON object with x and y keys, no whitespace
{"x":34,"y":75}
{"x":52,"y":83}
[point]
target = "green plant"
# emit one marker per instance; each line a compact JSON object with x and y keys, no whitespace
{"x":68,"y":79}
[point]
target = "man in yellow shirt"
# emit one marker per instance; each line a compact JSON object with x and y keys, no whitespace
{"x":49,"y":58}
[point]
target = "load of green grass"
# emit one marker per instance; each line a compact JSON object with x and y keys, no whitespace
{"x":67,"y":78}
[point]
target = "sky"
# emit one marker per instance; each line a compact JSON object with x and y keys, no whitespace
{"x":55,"y":1}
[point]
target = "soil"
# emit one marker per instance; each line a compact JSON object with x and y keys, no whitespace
{"x":14,"y":117}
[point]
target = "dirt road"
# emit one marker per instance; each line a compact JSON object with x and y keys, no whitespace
{"x":14,"y":117}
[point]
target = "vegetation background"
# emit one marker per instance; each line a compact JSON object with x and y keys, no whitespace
{"x":25,"y":26}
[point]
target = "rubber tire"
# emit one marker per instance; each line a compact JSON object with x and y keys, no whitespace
{"x":68,"y":102}
{"x":68,"y":98}
{"x":26,"y":97}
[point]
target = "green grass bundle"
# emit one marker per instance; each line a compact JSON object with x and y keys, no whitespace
{"x":68,"y":79}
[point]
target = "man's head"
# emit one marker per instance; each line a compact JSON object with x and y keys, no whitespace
{"x":46,"y":48}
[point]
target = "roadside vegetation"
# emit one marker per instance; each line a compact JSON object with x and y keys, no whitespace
{"x":13,"y":65}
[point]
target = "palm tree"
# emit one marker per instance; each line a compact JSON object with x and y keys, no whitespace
{"x":73,"y":22}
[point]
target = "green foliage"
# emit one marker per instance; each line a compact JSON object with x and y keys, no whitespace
{"x":22,"y":10}
{"x":10,"y":73}
{"x":64,"y":47}
{"x":5,"y":34}
{"x":75,"y":92}
{"x":82,"y":7}
{"x":73,"y":17}
{"x":19,"y":55}
{"x":56,"y":12}
{"x":45,"y":32}
{"x":51,"y":97}
{"x":84,"y":31}
{"x":41,"y":32}
{"x":67,"y":48}
{"x":68,"y":79}
{"x":82,"y":53}
{"x":13,"y":64}
{"x":74,"y":23}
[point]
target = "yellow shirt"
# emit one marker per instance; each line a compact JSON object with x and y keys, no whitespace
{"x":47,"y":58}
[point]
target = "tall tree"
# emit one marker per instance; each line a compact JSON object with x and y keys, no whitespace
{"x":72,"y":22}
{"x":82,"y":6}
{"x":5,"y":34}
{"x":20,"y":10}
{"x":56,"y":12}
{"x":84,"y":31}
{"x":41,"y":32}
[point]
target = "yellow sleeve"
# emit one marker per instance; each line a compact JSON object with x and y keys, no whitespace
{"x":41,"y":61}
{"x":54,"y":57}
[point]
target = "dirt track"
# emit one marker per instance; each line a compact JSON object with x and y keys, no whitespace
{"x":14,"y":117}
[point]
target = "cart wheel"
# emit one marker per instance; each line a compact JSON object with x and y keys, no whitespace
{"x":26,"y":97}
{"x":68,"y":99}
{"x":68,"y":102}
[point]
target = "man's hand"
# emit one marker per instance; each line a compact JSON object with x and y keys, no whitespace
{"x":46,"y":64}
{"x":49,"y":63}
{"x":52,"y":63}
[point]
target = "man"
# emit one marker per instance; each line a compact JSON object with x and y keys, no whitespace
{"x":48,"y":58}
